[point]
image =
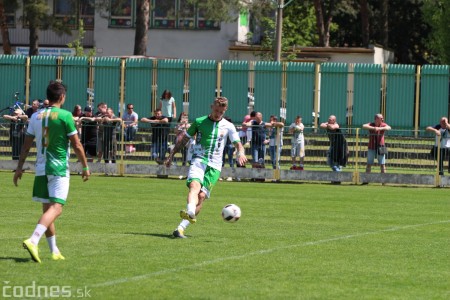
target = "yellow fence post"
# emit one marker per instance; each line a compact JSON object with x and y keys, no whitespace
{"x":316,"y":97}
{"x":356,"y":171}
{"x":417,"y":108}
{"x":121,"y":165}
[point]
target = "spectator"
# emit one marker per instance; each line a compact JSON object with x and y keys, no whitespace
{"x":442,"y":137}
{"x":338,"y":152}
{"x":130,"y":121}
{"x":77,"y":113}
{"x":273,"y":145}
{"x":167,"y":105}
{"x":298,"y":143}
{"x":376,"y":140}
{"x":183,"y":126}
{"x":245,"y":134}
{"x":45,"y":103}
{"x":33,"y":108}
{"x":18,"y":120}
{"x":99,"y":115}
{"x":160,"y":133}
{"x":89,"y":133}
{"x":110,"y":124}
{"x":259,"y":142}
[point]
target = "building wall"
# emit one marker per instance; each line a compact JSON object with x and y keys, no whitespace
{"x":174,"y":43}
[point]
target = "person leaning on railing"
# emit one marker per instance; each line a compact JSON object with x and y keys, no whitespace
{"x":376,"y":143}
{"x":18,"y":120}
{"x":442,"y":135}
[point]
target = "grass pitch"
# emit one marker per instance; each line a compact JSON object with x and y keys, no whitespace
{"x":302,"y":241}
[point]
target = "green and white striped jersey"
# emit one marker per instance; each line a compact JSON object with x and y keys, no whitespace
{"x":58,"y":125}
{"x":210,"y":140}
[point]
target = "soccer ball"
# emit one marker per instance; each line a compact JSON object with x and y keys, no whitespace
{"x":231,"y":213}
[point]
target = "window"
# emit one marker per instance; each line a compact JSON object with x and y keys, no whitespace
{"x":70,"y":12}
{"x":121,"y":14}
{"x":10,"y":16}
{"x":164,"y":14}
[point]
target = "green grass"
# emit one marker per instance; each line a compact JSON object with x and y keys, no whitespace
{"x":298,"y":241}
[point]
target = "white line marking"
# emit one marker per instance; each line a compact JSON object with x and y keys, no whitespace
{"x":259,"y":252}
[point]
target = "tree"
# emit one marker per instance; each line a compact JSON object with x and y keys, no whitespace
{"x":10,"y":5}
{"x":437,"y":14}
{"x":142,"y":21}
{"x":36,"y":17}
{"x":365,"y":23}
{"x":324,"y":17}
{"x":77,"y":44}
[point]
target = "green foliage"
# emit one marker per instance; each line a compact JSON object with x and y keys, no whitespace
{"x":294,"y":241}
{"x":299,"y":25}
{"x":437,"y":14}
{"x":36,"y":13}
{"x":77,"y":44}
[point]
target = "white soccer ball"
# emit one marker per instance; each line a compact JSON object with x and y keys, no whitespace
{"x":231,"y":213}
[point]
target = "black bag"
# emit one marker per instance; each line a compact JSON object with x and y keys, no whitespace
{"x":382,"y":150}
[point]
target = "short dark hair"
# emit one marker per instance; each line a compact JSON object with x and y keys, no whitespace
{"x":55,"y":90}
{"x":253,"y":114}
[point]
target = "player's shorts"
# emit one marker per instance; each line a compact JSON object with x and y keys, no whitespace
{"x":204,"y":174}
{"x":58,"y":188}
{"x":371,"y":157}
{"x":298,"y":149}
{"x":40,"y":189}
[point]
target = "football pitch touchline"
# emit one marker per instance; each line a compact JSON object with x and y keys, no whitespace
{"x":259,"y":252}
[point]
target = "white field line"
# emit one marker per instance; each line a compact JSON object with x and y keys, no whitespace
{"x":259,"y":252}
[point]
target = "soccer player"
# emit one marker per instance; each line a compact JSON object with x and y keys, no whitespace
{"x":210,"y":134}
{"x":54,"y":130}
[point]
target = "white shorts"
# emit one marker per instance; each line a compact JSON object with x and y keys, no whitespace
{"x":58,"y":188}
{"x":203,"y":174}
{"x":298,"y":149}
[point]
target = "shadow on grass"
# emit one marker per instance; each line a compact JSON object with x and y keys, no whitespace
{"x":170,"y":236}
{"x":17,"y":259}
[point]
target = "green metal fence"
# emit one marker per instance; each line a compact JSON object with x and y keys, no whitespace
{"x":411,"y":97}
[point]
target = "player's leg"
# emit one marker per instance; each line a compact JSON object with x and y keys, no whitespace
{"x":58,"y":189}
{"x":40,"y":194}
{"x":50,"y":234}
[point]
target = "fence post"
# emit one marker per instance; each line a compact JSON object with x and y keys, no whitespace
{"x":356,"y":171}
{"x":122,"y":95}
{"x":27,"y":80}
{"x":416,"y":113}
{"x":316,"y":97}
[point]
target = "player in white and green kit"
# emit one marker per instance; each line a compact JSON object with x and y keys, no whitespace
{"x":210,"y":133}
{"x":57,"y":131}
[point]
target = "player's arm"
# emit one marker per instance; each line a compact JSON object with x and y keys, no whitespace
{"x":240,"y":153}
{"x":181,"y":140}
{"x":26,"y":146}
{"x":79,"y":151}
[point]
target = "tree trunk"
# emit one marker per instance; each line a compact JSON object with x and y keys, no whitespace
{"x":365,"y":30}
{"x":34,"y":40}
{"x":385,"y":24}
{"x":4,"y":30}
{"x":142,"y":20}
{"x":319,"y":22}
{"x":323,"y":21}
